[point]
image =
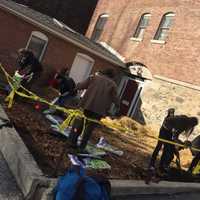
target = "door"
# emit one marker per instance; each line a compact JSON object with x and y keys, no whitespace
{"x":128,"y":93}
{"x":81,"y":67}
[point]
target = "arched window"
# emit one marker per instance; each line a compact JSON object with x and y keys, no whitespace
{"x":37,"y":44}
{"x":99,"y":26}
{"x":165,"y":24}
{"x":142,"y":25}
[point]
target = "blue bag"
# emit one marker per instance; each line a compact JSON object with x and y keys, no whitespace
{"x":75,"y":185}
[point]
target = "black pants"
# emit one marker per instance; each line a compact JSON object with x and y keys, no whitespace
{"x":168,"y":153}
{"x":163,"y":134}
{"x":167,"y":156}
{"x":77,"y":128}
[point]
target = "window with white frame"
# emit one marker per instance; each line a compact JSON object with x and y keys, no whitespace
{"x":142,"y":25}
{"x":37,"y":44}
{"x":98,"y":29}
{"x":165,"y":24}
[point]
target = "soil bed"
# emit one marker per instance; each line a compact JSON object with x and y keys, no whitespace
{"x":46,"y":148}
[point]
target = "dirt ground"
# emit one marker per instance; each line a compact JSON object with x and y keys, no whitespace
{"x":47,"y":148}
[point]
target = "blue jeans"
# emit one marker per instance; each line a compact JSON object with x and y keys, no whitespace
{"x":61,"y":100}
{"x":8,"y":89}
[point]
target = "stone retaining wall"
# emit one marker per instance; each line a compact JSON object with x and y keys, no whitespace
{"x":159,"y":95}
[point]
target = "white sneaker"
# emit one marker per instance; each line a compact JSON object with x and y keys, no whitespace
{"x":52,"y":119}
{"x":102,"y":142}
{"x":48,"y":111}
{"x":75,"y":161}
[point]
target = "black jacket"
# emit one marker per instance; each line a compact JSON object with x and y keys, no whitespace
{"x":177,"y":124}
{"x":67,"y":84}
{"x":28,"y":60}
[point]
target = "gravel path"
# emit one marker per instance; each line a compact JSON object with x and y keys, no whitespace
{"x":8,"y":186}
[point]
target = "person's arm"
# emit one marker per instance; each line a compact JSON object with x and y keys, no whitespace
{"x":85,"y":84}
{"x":186,"y":143}
{"x":175,"y":136}
{"x":115,"y":97}
{"x":189,"y":131}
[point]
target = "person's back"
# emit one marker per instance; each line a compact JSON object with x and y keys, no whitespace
{"x":180,"y":123}
{"x":67,"y":84}
{"x":101,"y":92}
{"x":175,"y":126}
{"x":35,"y":65}
{"x":24,"y":59}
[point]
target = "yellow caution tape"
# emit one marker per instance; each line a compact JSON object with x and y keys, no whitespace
{"x":72,"y":114}
{"x":196,"y":170}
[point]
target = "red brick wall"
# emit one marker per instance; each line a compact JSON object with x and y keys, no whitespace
{"x":177,"y":59}
{"x":14,"y":34}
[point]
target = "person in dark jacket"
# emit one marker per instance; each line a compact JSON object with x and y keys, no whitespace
{"x":28,"y":69}
{"x":175,"y":126}
{"x":66,"y":86}
{"x":26,"y":59}
{"x":162,"y":135}
{"x":28,"y":66}
{"x":101,"y":92}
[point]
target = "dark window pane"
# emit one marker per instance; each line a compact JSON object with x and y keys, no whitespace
{"x":164,"y":27}
{"x":99,"y":27}
{"x":163,"y":34}
{"x":140,"y":33}
{"x":36,"y":45}
{"x":167,"y":22}
{"x":143,"y":23}
{"x":101,"y":23}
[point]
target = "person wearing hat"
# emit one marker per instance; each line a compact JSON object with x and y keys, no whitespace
{"x":162,"y":135}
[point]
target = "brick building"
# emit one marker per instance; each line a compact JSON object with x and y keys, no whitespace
{"x":164,"y":35}
{"x":55,"y":44}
